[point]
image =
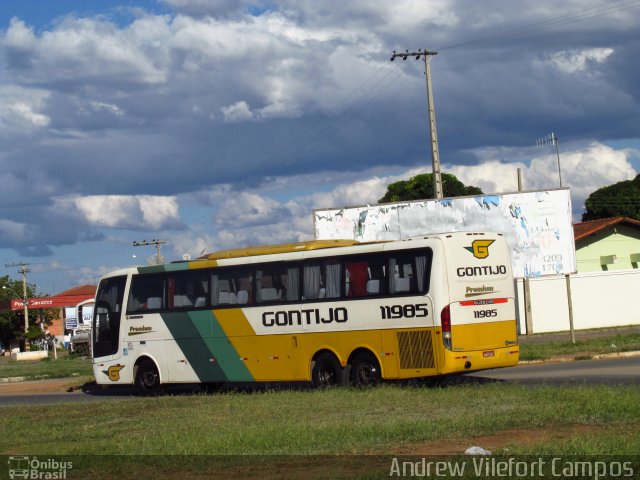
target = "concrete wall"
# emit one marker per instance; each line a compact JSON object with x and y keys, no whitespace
{"x":22,"y":356}
{"x":605,"y":299}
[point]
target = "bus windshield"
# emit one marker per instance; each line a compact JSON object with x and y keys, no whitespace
{"x":106,"y":318}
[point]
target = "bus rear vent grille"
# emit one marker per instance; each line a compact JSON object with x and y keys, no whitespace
{"x":416,"y":349}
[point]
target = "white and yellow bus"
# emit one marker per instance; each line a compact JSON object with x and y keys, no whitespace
{"x":328,"y":312}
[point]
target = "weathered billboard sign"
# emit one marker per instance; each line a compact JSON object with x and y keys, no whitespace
{"x":537,"y":225}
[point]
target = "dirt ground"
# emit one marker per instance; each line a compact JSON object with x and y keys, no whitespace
{"x":498,"y":441}
{"x":39,"y":387}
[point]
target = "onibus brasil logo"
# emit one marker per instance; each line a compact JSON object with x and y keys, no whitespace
{"x":35,"y":468}
{"x":480,"y":248}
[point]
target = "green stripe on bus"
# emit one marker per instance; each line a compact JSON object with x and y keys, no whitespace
{"x":226,"y":353}
{"x":213,"y":359}
{"x":151,"y":269}
{"x":166,"y":267}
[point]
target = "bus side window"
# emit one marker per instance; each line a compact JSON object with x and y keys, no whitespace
{"x":322,"y":279}
{"x":333,"y":276}
{"x":245,"y":288}
{"x":188,"y":289}
{"x":376,"y":273}
{"x":365,"y":276}
{"x":291,"y":281}
{"x":356,"y":278}
{"x":147,"y":293}
{"x":409,"y":272}
{"x":277,"y":283}
{"x":231,"y":287}
{"x":312,"y":281}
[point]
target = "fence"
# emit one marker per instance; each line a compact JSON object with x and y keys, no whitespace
{"x":599,"y":300}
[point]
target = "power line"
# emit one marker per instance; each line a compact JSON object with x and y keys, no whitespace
{"x":576,"y":16}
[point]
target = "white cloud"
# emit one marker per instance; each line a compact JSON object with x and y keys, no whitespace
{"x":491,"y":176}
{"x":407,"y":15}
{"x":356,"y":193}
{"x":246,"y":208}
{"x":238,"y":112}
{"x":26,"y":111}
{"x":21,"y":109}
{"x":574,"y":61}
{"x":91,"y":49}
{"x":11,"y":231}
{"x":583,"y":171}
{"x":107,"y":107}
{"x":120,"y":211}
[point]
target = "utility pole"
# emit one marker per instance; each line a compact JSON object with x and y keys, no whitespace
{"x":25,"y":301}
{"x":435,"y":156}
{"x":157,"y":244}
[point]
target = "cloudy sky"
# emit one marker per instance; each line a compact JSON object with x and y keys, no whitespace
{"x":212,"y":124}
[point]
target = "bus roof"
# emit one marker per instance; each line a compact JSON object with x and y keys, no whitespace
{"x":283,"y":248}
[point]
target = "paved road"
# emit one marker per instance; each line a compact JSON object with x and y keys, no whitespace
{"x":609,"y":371}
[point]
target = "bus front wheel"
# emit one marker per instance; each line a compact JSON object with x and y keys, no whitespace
{"x":326,"y":372}
{"x":365,"y":371}
{"x":148,"y":378}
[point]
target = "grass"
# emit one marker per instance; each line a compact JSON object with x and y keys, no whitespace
{"x":582,"y":349}
{"x":64,"y":366}
{"x":391,"y":418}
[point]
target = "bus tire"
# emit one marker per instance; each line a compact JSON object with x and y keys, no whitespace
{"x":148,"y":378}
{"x":327,"y":371}
{"x":365,"y":371}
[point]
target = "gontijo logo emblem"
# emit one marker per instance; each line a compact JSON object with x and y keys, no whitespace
{"x":480,"y":248}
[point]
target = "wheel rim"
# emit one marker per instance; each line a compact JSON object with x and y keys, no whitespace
{"x":327,"y":377}
{"x":149,"y":378}
{"x":367,"y":373}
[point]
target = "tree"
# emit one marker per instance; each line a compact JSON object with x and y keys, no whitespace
{"x":12,"y":322}
{"x":421,"y":187}
{"x":621,"y":199}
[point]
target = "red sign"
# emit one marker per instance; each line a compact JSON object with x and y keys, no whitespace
{"x":50,"y":302}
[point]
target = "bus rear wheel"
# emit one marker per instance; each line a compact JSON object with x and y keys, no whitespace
{"x":365,"y":371}
{"x":148,"y":378}
{"x":326,"y":372}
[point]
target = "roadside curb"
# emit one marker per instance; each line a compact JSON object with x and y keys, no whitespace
{"x":12,"y":379}
{"x":577,"y":358}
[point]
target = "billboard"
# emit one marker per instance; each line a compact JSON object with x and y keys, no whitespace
{"x":536,"y":224}
{"x":70,"y":319}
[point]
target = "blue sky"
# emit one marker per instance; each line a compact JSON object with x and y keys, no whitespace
{"x":213,"y":124}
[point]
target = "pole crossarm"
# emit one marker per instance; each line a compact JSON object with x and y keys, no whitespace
{"x":406,"y":54}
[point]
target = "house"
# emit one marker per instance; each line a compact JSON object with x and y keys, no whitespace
{"x":69,"y":298}
{"x":607,"y":244}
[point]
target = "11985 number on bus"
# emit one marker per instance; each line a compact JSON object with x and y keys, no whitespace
{"x":404,"y":311}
